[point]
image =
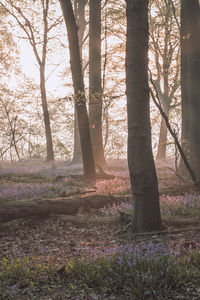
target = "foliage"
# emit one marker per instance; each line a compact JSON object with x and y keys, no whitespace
{"x":187,"y":205}
{"x":22,"y":274}
{"x":8,"y":49}
{"x":114,"y":186}
{"x":136,"y":272}
{"x":18,"y":191}
{"x":145,"y":272}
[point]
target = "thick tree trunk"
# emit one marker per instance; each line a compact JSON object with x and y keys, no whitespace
{"x":184,"y":34}
{"x":49,"y":143}
{"x":77,"y":77}
{"x":190,"y":74}
{"x":140,"y":158}
{"x":194,"y":87}
{"x":95,"y":88}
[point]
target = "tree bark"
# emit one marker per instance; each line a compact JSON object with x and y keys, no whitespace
{"x":77,"y":155}
{"x":62,"y":206}
{"x":140,"y":158}
{"x":42,"y":64}
{"x":95,"y":85}
{"x":79,"y":11}
{"x":184,"y":34}
{"x":80,"y":99}
{"x":190,"y":80}
{"x":49,"y":142}
{"x":162,"y":144}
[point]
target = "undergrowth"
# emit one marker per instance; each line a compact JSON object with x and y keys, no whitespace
{"x":146,"y":272}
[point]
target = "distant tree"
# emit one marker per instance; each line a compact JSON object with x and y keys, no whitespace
{"x":8,"y":59}
{"x":8,"y":48}
{"x":95,"y":85}
{"x":18,"y":131}
{"x":140,"y":158}
{"x":164,"y":46}
{"x":28,"y":17}
{"x":80,"y":99}
{"x":113,"y":44}
{"x":190,"y":75}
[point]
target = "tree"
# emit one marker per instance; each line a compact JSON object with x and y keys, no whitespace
{"x":164,"y":46}
{"x":28,"y":21}
{"x":8,"y":57}
{"x":19,"y":122}
{"x":95,"y":86}
{"x":8,"y":47}
{"x":79,"y":12}
{"x":113,"y":77}
{"x":80,"y":99}
{"x":190,"y":74}
{"x":140,"y":158}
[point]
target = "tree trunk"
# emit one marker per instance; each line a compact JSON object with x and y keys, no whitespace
{"x":95,"y":88}
{"x":49,"y":143}
{"x":77,"y":156}
{"x":79,"y":11}
{"x":184,"y":33}
{"x":194,"y":87}
{"x":80,"y":99}
{"x":140,"y":158}
{"x":190,"y":74}
{"x":162,"y":144}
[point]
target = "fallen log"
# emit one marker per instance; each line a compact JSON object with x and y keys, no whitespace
{"x":181,"y":222}
{"x":84,"y":221}
{"x":42,"y":207}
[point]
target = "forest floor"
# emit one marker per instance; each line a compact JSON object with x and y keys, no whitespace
{"x":53,"y":241}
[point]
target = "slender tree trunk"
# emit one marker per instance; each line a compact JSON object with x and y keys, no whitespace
{"x":77,"y":77}
{"x":140,"y":158}
{"x":79,"y":11}
{"x":77,"y":156}
{"x":95,"y":85}
{"x":162,"y":144}
{"x":12,"y":124}
{"x":49,"y":143}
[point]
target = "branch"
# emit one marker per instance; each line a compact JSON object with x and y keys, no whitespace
{"x":173,"y":134}
{"x":30,"y":34}
{"x":175,"y":16}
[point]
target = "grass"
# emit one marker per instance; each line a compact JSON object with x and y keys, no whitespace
{"x":147,"y":272}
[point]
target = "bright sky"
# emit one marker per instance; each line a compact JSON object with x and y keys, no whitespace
{"x":30,"y":67}
{"x":28,"y":61}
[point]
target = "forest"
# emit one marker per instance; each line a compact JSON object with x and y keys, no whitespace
{"x":99,"y":149}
